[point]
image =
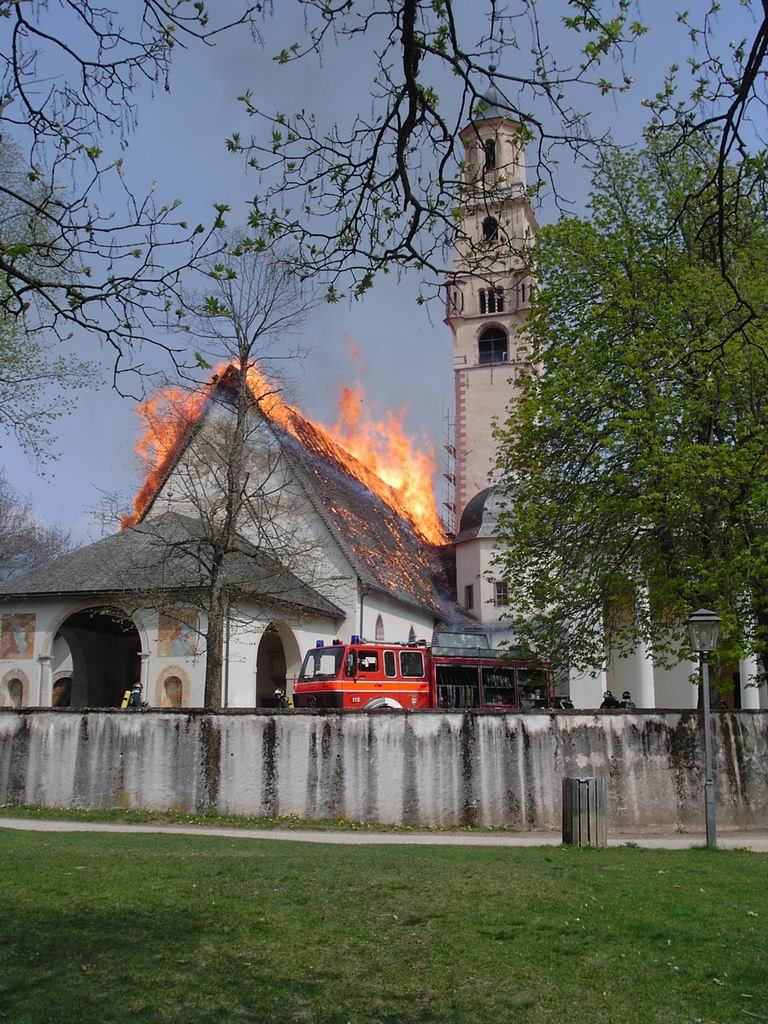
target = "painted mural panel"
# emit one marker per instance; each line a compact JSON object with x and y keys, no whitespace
{"x":17,"y":635}
{"x":177,"y":633}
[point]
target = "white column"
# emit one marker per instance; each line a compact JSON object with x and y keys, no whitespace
{"x":644,"y":695}
{"x":750,"y":694}
{"x":144,"y":678}
{"x":45,"y":682}
{"x":644,"y":690}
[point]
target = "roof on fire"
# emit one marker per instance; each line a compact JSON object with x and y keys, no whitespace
{"x":382,"y":547}
{"x":167,"y":552}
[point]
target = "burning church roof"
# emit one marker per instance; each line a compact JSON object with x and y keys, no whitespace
{"x":368,"y":518}
{"x":381,"y":543}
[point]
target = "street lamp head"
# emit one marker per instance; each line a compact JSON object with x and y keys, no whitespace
{"x":703,"y":626}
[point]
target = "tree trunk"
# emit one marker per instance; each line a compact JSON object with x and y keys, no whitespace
{"x":214,"y":653}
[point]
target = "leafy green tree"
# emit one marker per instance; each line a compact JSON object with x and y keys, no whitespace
{"x":635,"y":473}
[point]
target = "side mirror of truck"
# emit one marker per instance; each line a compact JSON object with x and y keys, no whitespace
{"x":349,"y":664}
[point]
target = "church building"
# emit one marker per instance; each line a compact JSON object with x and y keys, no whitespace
{"x":324,"y":555}
{"x":325,"y":550}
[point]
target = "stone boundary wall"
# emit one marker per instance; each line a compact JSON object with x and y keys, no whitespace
{"x":413,"y":768}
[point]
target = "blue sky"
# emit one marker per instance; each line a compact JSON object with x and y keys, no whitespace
{"x":405,"y":348}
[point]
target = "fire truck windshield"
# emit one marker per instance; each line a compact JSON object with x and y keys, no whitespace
{"x":321,"y":663}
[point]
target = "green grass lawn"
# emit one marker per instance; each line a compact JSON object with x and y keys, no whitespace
{"x":134,"y":928}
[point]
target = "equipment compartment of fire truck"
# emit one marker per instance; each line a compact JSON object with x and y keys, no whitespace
{"x":460,"y":670}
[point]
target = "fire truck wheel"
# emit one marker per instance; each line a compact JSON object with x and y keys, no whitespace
{"x":383,"y":704}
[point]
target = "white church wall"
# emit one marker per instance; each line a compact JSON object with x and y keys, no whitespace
{"x":300,"y":538}
{"x":474,"y":568}
{"x":586,"y":689}
{"x":673,"y":685}
{"x":288,"y":527}
{"x":297,"y":635}
{"x":25,"y":625}
{"x":635,"y":675}
{"x":397,"y":619}
{"x":240,"y":656}
{"x":176,"y":655}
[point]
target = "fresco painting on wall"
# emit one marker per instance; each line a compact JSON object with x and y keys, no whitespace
{"x":17,"y":637}
{"x":177,"y":633}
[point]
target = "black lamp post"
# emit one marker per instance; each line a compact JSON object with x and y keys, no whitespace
{"x":703,"y":626}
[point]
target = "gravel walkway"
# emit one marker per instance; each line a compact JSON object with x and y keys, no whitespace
{"x":756,"y":841}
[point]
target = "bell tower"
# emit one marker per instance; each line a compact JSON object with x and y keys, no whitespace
{"x":489,"y":291}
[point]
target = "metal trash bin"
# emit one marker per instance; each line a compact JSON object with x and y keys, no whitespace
{"x":585,"y":811}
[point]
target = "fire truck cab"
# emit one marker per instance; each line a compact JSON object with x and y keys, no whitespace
{"x":460,"y":671}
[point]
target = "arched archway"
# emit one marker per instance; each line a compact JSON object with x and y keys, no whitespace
{"x":270,"y":668}
{"x":105,"y":646}
{"x":61,"y":692}
{"x":277,"y":663}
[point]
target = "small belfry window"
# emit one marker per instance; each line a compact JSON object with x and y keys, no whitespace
{"x":469,"y":596}
{"x":489,"y":149}
{"x":379,"y":632}
{"x":490,"y":229}
{"x":492,"y":346}
{"x":491,"y":300}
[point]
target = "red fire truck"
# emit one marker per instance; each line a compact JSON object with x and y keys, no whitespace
{"x":460,"y":670}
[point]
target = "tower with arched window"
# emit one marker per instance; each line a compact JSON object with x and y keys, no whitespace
{"x":489,"y":291}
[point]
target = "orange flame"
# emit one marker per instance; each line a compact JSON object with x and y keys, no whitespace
{"x":168,"y":417}
{"x":377,"y":453}
{"x":384,"y":447}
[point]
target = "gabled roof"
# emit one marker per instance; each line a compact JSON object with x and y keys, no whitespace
{"x":383,"y":547}
{"x":166,"y":553}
